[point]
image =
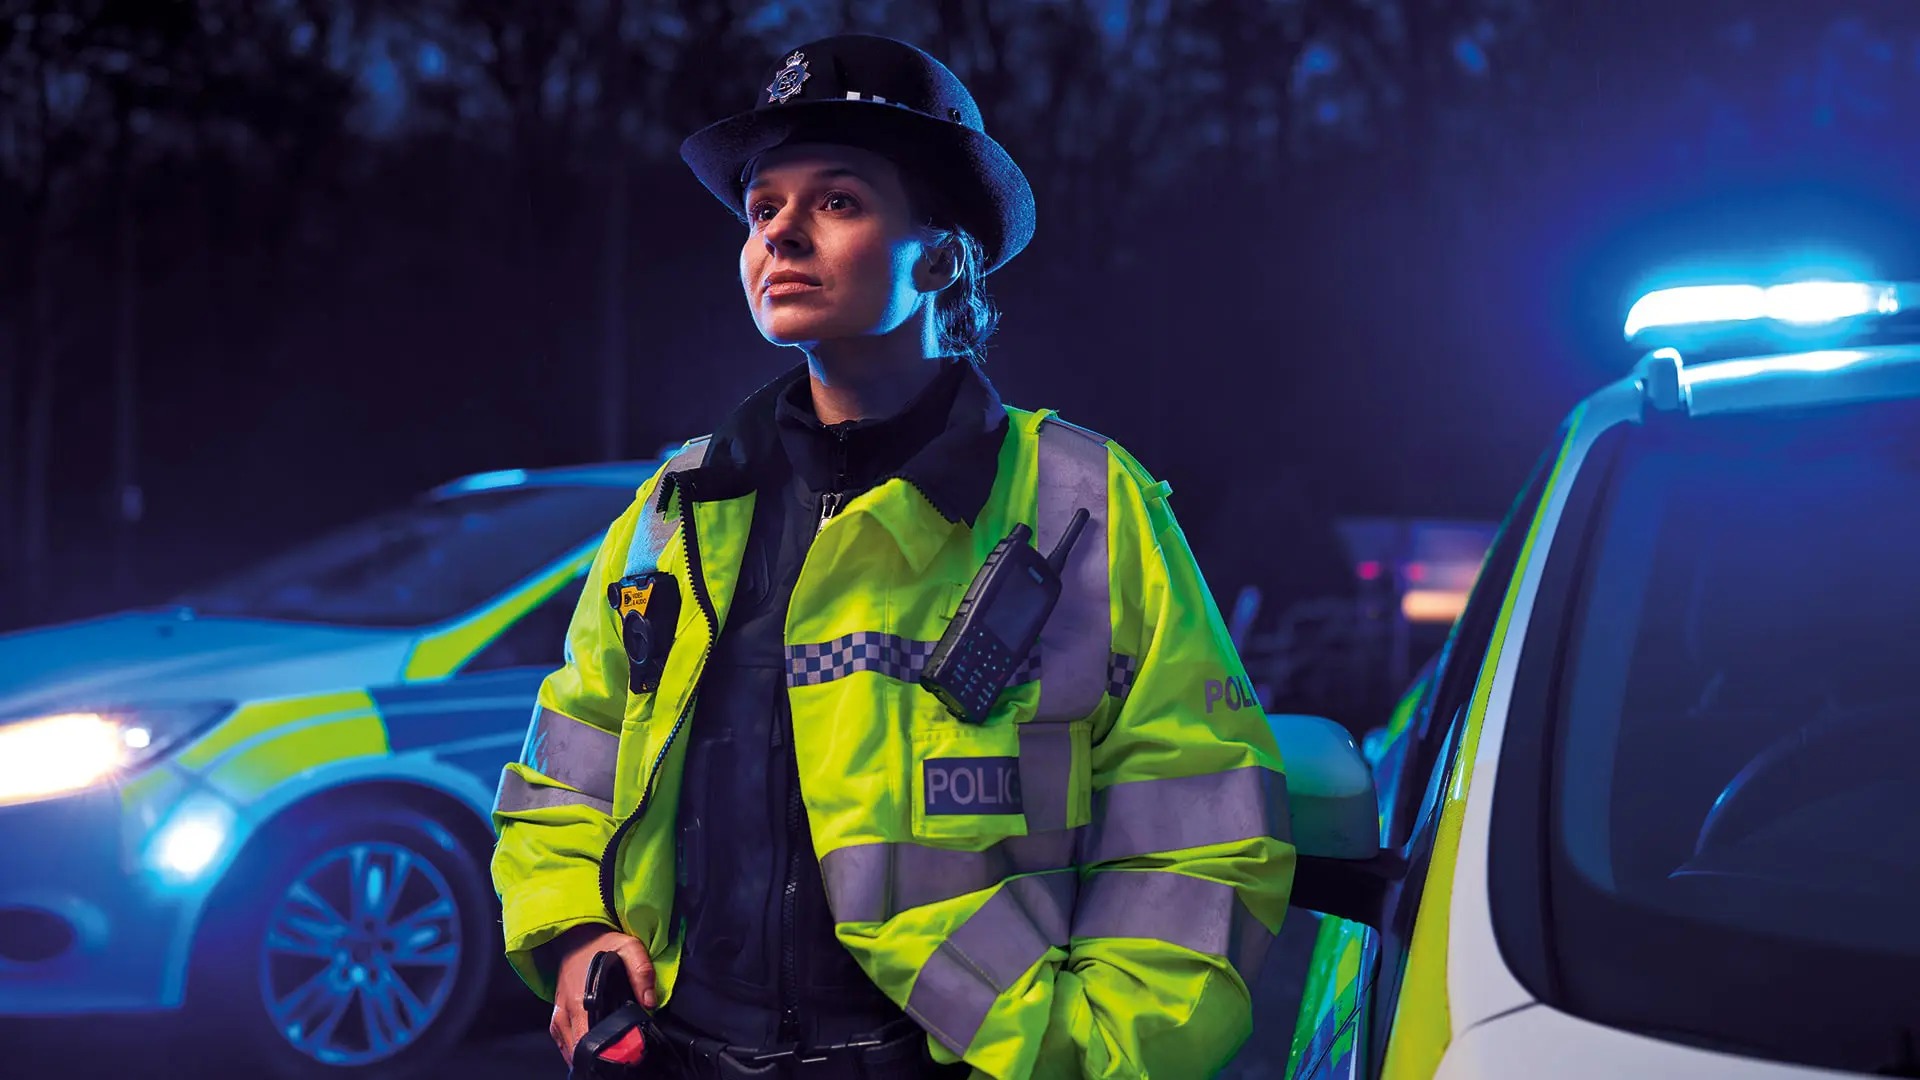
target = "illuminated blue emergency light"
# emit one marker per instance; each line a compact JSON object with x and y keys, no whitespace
{"x":1799,"y":304}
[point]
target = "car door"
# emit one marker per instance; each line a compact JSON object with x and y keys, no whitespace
{"x":1342,"y":948}
{"x":476,"y":720}
{"x":1357,"y":971}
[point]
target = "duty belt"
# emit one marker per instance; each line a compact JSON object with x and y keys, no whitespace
{"x":895,"y":1052}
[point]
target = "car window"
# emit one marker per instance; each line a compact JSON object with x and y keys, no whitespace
{"x":1728,"y":768}
{"x":1435,"y":742}
{"x":538,"y":639}
{"x":430,"y":561}
{"x":1390,"y":765}
{"x":1458,"y":665}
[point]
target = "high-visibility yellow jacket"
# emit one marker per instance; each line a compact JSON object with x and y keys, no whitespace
{"x":1108,"y":926}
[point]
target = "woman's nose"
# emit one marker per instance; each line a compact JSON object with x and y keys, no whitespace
{"x":785,"y":233}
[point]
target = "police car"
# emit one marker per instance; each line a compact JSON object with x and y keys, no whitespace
{"x":270,"y":800}
{"x":1651,"y":812}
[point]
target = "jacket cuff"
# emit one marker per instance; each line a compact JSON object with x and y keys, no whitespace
{"x":534,"y":916}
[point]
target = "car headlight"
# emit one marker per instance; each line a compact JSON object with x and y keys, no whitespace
{"x":43,"y":756}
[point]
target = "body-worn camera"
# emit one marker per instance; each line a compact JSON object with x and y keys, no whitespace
{"x":999,"y":622}
{"x":648,"y":607}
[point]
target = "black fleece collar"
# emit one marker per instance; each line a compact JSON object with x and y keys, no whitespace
{"x":952,"y":460}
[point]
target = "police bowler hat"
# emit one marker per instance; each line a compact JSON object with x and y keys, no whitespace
{"x":889,"y":97}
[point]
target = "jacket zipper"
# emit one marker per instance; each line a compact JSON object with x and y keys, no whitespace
{"x":832,"y":501}
{"x":610,"y":858}
{"x":798,"y":838}
{"x":790,"y":891}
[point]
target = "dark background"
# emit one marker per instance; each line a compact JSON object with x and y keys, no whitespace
{"x":268,"y":265}
{"x":271,"y":264}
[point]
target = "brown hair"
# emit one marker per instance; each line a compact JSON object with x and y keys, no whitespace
{"x":963,"y":313}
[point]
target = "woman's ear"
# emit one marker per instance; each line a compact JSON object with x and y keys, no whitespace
{"x":938,"y":266}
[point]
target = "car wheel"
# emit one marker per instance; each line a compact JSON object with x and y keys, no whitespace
{"x":357,"y":943}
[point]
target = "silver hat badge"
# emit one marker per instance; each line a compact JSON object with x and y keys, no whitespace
{"x":788,"y":80}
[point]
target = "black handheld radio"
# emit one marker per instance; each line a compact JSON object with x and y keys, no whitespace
{"x":621,"y":1035}
{"x":998,"y":622}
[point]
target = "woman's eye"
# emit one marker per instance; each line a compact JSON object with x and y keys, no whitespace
{"x":839,"y":200}
{"x":763,"y":212}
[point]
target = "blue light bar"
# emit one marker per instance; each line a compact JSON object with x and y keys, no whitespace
{"x":1802,"y":303}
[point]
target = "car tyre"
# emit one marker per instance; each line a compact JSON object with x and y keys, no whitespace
{"x":355,"y":941}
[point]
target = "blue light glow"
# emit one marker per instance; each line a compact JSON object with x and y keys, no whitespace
{"x":1810,"y":363}
{"x":1804,"y":303}
{"x":489,"y":481}
{"x":1470,"y":56}
{"x":192,"y":840}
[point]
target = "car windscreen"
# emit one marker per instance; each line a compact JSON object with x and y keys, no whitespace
{"x":1735,"y":785}
{"x":427,"y":562}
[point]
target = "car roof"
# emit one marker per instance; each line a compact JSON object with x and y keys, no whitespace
{"x":628,"y":475}
{"x":1666,"y":382}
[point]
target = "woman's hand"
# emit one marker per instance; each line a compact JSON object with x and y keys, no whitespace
{"x":577,"y":948}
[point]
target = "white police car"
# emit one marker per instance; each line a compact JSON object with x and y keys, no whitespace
{"x":1656,"y":807}
{"x":270,"y":800}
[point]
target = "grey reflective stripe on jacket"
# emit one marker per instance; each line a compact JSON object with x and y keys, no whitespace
{"x":1165,"y":905}
{"x":1029,"y":916}
{"x":1077,"y":642}
{"x":568,"y":752}
{"x":1015,"y":929}
{"x":1174,"y":813}
{"x":874,"y":882}
{"x":577,"y":756}
{"x":957,"y":986}
{"x":1171,"y":814}
{"x":652,"y":531}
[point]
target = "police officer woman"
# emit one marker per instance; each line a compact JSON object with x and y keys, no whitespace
{"x":743,"y":782}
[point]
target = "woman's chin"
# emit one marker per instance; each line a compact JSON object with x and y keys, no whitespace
{"x":796,"y":328}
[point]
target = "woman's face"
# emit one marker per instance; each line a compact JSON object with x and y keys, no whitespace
{"x":831,"y":247}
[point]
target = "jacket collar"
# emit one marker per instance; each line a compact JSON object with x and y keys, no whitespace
{"x":955,"y":471}
{"x":856,"y":455}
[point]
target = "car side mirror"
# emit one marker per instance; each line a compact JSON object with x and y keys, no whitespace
{"x":1334,"y":808}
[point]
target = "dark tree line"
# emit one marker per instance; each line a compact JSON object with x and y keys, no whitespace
{"x":270,"y":262}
